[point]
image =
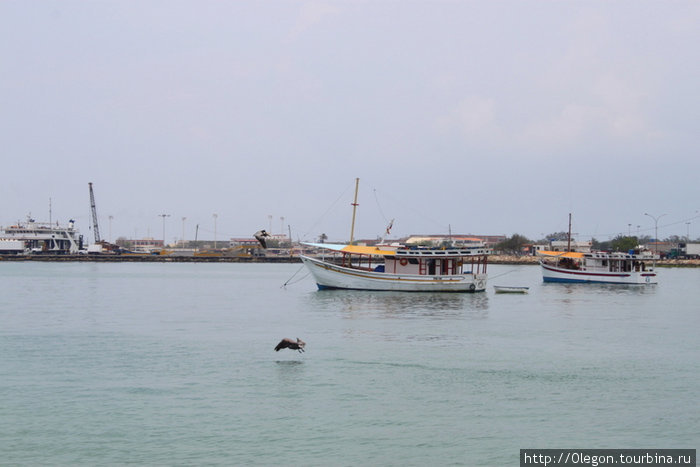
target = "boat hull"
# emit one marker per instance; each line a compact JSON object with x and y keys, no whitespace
{"x":506,"y":289}
{"x":332,"y":276}
{"x":556,"y":274}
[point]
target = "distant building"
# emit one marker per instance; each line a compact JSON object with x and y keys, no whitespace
{"x":252,"y":242}
{"x":361,"y":242}
{"x":280,"y":238}
{"x":146,"y":244}
{"x":533,"y":249}
{"x":662,"y":248}
{"x":245,"y":242}
{"x":456,"y":239}
{"x":563,"y":245}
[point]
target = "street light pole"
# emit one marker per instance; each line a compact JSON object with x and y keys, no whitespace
{"x":163,"y":216}
{"x":215,"y":217}
{"x":656,"y":230}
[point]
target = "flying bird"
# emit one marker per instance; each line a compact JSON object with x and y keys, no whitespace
{"x":288,"y":343}
{"x":260,"y":236}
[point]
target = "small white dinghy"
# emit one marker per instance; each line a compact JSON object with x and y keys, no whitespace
{"x":510,"y":289}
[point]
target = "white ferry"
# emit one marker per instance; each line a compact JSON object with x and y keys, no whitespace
{"x":40,"y":237}
{"x":598,"y":266}
{"x":400,"y":268}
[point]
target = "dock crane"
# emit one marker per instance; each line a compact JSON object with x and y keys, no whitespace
{"x":95,"y":227}
{"x":100,"y":246}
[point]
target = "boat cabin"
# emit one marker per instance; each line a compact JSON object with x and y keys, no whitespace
{"x":417,"y":261}
{"x":600,"y":261}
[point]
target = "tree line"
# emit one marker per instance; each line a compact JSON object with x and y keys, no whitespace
{"x":516,"y":244}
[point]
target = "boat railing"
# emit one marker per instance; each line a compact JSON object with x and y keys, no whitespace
{"x":449,"y":252}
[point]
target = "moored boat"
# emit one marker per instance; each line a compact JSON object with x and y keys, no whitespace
{"x":510,"y":289}
{"x":400,"y":268}
{"x":598,"y":266}
{"x":397,"y":267}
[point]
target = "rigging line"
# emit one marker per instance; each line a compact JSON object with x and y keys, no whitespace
{"x":422,"y":215}
{"x":379,"y":206}
{"x":304,"y":234}
{"x":297,"y":272}
{"x":682,"y":221}
{"x":503,"y":274}
{"x":641,"y":230}
{"x":223,"y":235}
{"x":300,"y":279}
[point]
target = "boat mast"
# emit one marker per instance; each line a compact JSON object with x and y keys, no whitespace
{"x":354,"y":211}
{"x":568,"y":243}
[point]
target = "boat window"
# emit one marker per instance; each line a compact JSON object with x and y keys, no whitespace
{"x":413,"y":260}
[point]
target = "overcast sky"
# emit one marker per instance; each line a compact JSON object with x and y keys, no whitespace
{"x":476,"y":116}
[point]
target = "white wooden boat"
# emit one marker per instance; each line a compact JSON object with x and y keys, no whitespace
{"x":399,"y":268}
{"x":510,"y":289}
{"x":598,"y":266}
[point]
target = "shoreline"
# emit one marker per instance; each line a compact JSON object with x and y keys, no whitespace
{"x":534,"y":260}
{"x":493,"y":259}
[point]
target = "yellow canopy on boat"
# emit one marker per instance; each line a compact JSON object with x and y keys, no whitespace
{"x":367,"y":250}
{"x":561,"y":254}
{"x":354,"y":249}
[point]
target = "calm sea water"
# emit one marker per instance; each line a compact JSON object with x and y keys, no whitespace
{"x":173,"y":364}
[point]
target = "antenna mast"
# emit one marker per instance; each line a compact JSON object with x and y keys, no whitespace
{"x":568,"y":243}
{"x":354,"y":210}
{"x":94,"y":214}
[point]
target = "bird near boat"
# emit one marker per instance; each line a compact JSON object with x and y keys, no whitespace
{"x":292,"y":344}
{"x":260,"y":236}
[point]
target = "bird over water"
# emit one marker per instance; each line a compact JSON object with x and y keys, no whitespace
{"x":292,"y":344}
{"x":262,"y":236}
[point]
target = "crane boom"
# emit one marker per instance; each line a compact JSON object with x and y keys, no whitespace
{"x":94,"y":214}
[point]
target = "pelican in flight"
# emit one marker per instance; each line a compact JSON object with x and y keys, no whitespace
{"x":260,"y":236}
{"x":288,"y":343}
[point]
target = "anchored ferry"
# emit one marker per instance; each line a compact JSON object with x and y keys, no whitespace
{"x":40,"y":237}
